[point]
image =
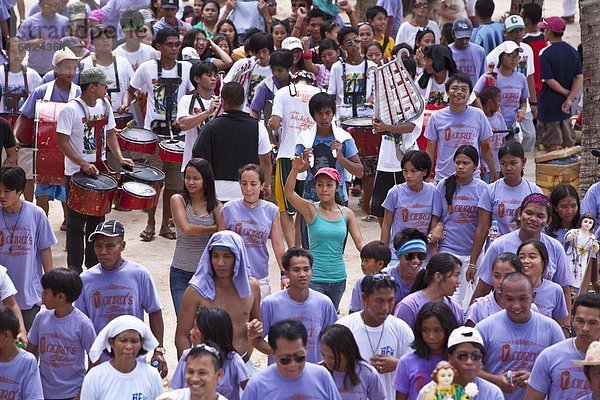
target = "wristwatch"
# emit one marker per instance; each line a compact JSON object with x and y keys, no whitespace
{"x":160,"y":350}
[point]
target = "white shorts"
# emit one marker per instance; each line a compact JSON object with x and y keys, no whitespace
{"x":25,"y":160}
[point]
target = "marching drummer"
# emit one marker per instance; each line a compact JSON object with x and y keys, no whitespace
{"x":84,"y":146}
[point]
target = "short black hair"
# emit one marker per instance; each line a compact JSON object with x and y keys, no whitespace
{"x":201,"y":68}
{"x":485,"y":8}
{"x":99,"y":30}
{"x":132,"y":19}
{"x":371,"y":283}
{"x":261,"y":41}
{"x":328,"y":44}
{"x":295,"y":252}
{"x":315,"y":13}
{"x":373,"y":11}
{"x":589,"y":300}
{"x":515,"y":277}
{"x":408,"y":234}
{"x":376,"y":250}
{"x":346,"y":30}
{"x":233,"y":94}
{"x":489,"y":93}
{"x":320,"y":101}
{"x":163,"y":34}
{"x":287,"y":329}
{"x":9,"y":322}
{"x":13,"y":178}
{"x":459,"y":77}
{"x":283,"y":58}
{"x":532,"y":11}
{"x":65,"y":281}
{"x":419,"y":159}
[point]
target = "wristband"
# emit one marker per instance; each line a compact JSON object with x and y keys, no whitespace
{"x":307,"y":56}
{"x":472,"y":266}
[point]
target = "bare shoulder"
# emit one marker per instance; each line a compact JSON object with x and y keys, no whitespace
{"x":254,"y":285}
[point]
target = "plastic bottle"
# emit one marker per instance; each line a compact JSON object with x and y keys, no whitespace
{"x":494,"y":232}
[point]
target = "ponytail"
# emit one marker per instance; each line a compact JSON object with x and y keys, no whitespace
{"x":443,"y":263}
{"x":450,"y":182}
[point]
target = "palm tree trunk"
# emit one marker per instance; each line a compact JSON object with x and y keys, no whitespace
{"x":590,"y":139}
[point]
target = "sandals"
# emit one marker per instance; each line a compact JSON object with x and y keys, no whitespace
{"x":169,"y":235}
{"x":147,"y":235}
{"x":370,"y":218}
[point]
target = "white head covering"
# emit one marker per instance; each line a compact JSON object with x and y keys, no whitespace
{"x":119,"y":325}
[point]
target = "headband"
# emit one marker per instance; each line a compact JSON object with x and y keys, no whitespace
{"x":537,"y":198}
{"x":417,"y":245}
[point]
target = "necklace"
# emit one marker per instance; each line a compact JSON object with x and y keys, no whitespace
{"x":251,"y":204}
{"x":12,"y":233}
{"x":373,"y":349}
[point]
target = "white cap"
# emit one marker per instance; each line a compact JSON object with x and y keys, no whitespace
{"x":189,"y":53}
{"x":464,"y":334}
{"x":509,"y":47}
{"x":64,"y":54}
{"x":291,"y":43}
{"x":513,"y":22}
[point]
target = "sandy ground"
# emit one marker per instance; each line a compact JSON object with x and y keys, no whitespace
{"x":156,"y":255}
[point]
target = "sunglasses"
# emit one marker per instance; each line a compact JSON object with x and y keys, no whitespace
{"x":412,"y":256}
{"x":349,"y":43}
{"x":296,"y":359}
{"x":421,"y":5}
{"x":475,"y":356}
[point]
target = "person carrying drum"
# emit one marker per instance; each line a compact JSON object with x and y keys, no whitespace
{"x":84,"y":146}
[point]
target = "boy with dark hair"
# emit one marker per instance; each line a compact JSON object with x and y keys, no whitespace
{"x":374,"y":257}
{"x":280,"y":62}
{"x":490,"y":98}
{"x":314,"y":19}
{"x":58,"y":329}
{"x":19,"y":373}
{"x":532,"y":15}
{"x":377,"y":17}
{"x":489,"y":34}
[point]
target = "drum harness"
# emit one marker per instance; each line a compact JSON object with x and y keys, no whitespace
{"x":169,"y":85}
{"x":98,"y":125}
{"x":14,"y":105}
{"x":354,"y":95}
{"x":117,"y":87}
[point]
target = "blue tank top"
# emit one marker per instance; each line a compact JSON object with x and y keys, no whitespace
{"x":327,"y":239}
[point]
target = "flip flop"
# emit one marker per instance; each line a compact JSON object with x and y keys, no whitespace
{"x":147,"y":236}
{"x":370,"y":218}
{"x":63,"y":226}
{"x":169,"y":235}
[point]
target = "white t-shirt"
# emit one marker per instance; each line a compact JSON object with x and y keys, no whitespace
{"x":7,"y":288}
{"x":82,"y":136}
{"x":106,"y":383}
{"x":183,"y":110}
{"x":394,"y":341}
{"x":525,"y":66}
{"x":388,"y":161}
{"x":145,"y":79}
{"x":354,"y":80}
{"x":144,"y":53}
{"x":294,"y":114}
{"x":257,"y":75}
{"x":16,"y":85}
{"x":125,"y":74}
{"x":408,"y":33}
{"x":182,"y":394}
{"x":230,"y":190}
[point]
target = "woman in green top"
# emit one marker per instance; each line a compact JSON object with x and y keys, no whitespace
{"x":210,"y":16}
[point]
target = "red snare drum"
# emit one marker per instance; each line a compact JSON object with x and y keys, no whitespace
{"x":49,"y":164}
{"x":144,"y":174}
{"x":361,"y":130}
{"x":121,"y":120}
{"x":26,"y":136}
{"x":171,"y":151}
{"x":91,"y":195}
{"x":138,"y":140}
{"x":137,"y":196}
{"x":429,"y":109}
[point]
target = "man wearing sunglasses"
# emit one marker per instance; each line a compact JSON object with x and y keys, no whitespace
{"x":291,"y":374}
{"x":465,"y":353}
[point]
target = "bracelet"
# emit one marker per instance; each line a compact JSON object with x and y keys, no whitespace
{"x":472,"y":266}
{"x":307,"y":56}
{"x":566,"y":327}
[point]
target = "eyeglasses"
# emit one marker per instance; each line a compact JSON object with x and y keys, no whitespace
{"x":412,"y":256}
{"x":297,"y":359}
{"x":475,"y":356}
{"x":349,"y":43}
{"x":421,"y":5}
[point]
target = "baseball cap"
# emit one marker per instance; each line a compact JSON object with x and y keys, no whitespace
{"x":509,"y":47}
{"x":70,"y":42}
{"x":169,"y":3}
{"x":190,"y":54}
{"x":93,"y":75}
{"x":148,"y":15}
{"x":97,"y":15}
{"x":462,"y":28}
{"x":555,"y":24}
{"x":513,"y":22}
{"x":330,"y":172}
{"x":62,"y":55}
{"x":291,"y":43}
{"x":464,"y":334}
{"x":110,"y":228}
{"x":76,"y":10}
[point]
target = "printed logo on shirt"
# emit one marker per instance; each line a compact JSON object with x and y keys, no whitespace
{"x":523,"y":356}
{"x":255,"y":79}
{"x":254,"y":233}
{"x":416,"y":218}
{"x":139,"y":396}
{"x":355,"y":88}
{"x":58,"y":351}
{"x":95,"y":126}
{"x":387,"y":351}
{"x":114,"y":300}
{"x":437,"y":98}
{"x":16,"y":241}
{"x":160,"y":104}
{"x":14,"y":98}
{"x":9,"y":394}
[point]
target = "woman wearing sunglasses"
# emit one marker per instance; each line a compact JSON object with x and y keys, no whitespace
{"x":409,"y":28}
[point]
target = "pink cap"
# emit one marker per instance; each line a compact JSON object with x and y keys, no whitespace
{"x":97,"y":15}
{"x":555,"y":24}
{"x":330,"y":172}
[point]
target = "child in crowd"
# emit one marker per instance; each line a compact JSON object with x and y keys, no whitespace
{"x":366,"y":35}
{"x":279,"y":31}
{"x":19,"y":373}
{"x":377,"y":17}
{"x":374,"y":53}
{"x":329,"y":53}
{"x":61,"y":328}
{"x":565,"y":212}
{"x":432,"y":327}
{"x":490,"y":97}
{"x":374,"y":257}
{"x":280,"y":62}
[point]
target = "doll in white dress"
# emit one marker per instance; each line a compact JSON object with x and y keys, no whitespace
{"x":580,"y":244}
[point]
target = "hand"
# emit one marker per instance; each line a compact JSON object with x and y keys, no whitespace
{"x":230,"y":5}
{"x":254,"y":329}
{"x":520,"y":115}
{"x":502,"y":383}
{"x":336,"y":146}
{"x":384,"y":363}
{"x":380,"y":127}
{"x":437,"y":234}
{"x":520,"y":378}
{"x":126,"y":161}
{"x":263,"y":7}
{"x":284,"y":282}
{"x":470,"y":274}
{"x":214,"y":105}
{"x":302,"y":13}
{"x":534,"y":111}
{"x":162,"y":363}
{"x":22,"y":338}
{"x":122,"y":109}
{"x":566,"y":106}
{"x":267,"y":191}
{"x":306,"y":43}
{"x":37,"y":42}
{"x":90,"y":169}
{"x":300,"y":163}
{"x":345,"y":6}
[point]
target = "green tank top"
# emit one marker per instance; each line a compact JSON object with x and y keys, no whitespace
{"x":327,"y":240}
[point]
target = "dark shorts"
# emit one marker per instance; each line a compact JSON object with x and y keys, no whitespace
{"x":384,"y":181}
{"x":556,"y":133}
{"x":370,"y":165}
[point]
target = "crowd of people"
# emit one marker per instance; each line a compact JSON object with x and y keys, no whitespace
{"x":255,"y":126}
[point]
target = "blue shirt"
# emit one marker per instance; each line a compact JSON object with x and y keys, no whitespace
{"x":488,"y":35}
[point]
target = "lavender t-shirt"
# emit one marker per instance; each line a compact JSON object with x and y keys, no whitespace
{"x":504,"y":201}
{"x":497,"y":140}
{"x":20,"y":378}
{"x":30,"y":233}
{"x":485,"y":306}
{"x":516,"y":346}
{"x":370,"y":386}
{"x":558,"y":267}
{"x":314,"y":382}
{"x":414,"y":372}
{"x":451,"y":130}
{"x":591,"y":201}
{"x":234,"y":373}
{"x":555,"y":374}
{"x":487,"y":390}
{"x":460,"y":217}
{"x":127,"y":290}
{"x":254,"y":226}
{"x":550,"y":299}
{"x":402,"y":290}
{"x":513,"y":89}
{"x":61,"y":345}
{"x":410,"y":306}
{"x":470,"y":61}
{"x":316,"y":313}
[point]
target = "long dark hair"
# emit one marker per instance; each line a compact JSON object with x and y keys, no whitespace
{"x":236,"y":37}
{"x":444,"y":263}
{"x":208,"y":183}
{"x":444,"y":314}
{"x":215,"y":324}
{"x":189,"y":40}
{"x":450,"y":182}
{"x":541,"y":248}
{"x":561,"y":192}
{"x":341,"y":341}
